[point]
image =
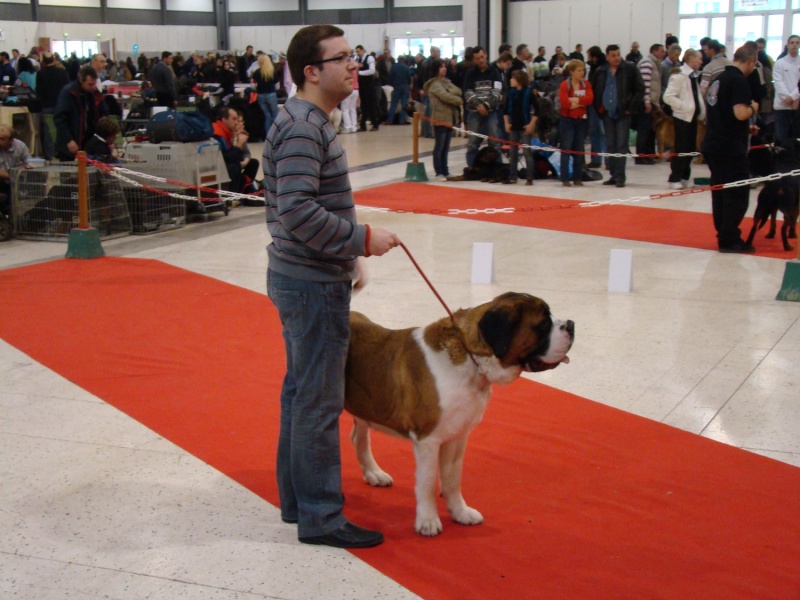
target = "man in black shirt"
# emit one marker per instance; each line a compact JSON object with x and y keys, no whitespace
{"x":730,"y":111}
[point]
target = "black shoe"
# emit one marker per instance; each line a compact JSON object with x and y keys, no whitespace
{"x":620,"y":183}
{"x":738,"y":248}
{"x":611,"y":181}
{"x":347,"y":536}
{"x":374,"y":128}
{"x":289,"y":521}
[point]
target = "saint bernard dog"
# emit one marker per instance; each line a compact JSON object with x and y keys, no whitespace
{"x":432,"y":385}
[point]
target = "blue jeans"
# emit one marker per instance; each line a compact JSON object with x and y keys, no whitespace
{"x":573,"y":134}
{"x":400,"y":98}
{"x":597,"y":137}
{"x":487,"y":125}
{"x":316,"y":332}
{"x":513,"y":168}
{"x":618,"y":140}
{"x":441,"y":148}
{"x":268,"y":104}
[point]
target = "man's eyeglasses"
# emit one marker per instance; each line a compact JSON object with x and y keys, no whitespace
{"x":341,"y":58}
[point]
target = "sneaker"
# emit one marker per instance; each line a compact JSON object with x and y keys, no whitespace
{"x":685,"y":183}
{"x":529,"y":182}
{"x":441,"y":178}
{"x":675,"y":185}
{"x":566,"y":183}
{"x":579,"y":183}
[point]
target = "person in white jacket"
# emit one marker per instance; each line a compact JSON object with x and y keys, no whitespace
{"x":684,"y":97}
{"x":786,"y":76}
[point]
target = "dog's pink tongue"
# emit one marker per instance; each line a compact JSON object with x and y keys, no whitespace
{"x":565,"y":360}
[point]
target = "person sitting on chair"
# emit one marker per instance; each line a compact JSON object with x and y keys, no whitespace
{"x":13,"y":153}
{"x":232,"y":137}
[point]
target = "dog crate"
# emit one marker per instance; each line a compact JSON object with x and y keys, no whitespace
{"x":195,"y":163}
{"x":45,"y":203}
{"x":154,"y":210}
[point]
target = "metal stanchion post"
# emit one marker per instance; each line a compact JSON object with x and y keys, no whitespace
{"x":84,"y":241}
{"x":415,"y":170}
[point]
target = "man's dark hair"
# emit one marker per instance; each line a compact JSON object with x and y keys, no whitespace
{"x":477,"y":49}
{"x":521,"y":48}
{"x":165,"y":54}
{"x":85,"y":72}
{"x":225,"y":112}
{"x":5,"y":55}
{"x":436,"y":64}
{"x":594,"y":52}
{"x":704,"y":41}
{"x":503,"y":48}
{"x":655,"y":47}
{"x":715,"y":46}
{"x":761,"y":41}
{"x":611,"y":48}
{"x":304,"y":49}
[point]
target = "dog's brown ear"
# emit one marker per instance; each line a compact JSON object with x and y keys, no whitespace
{"x":497,"y":326}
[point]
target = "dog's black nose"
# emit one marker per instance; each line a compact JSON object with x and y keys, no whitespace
{"x":569,"y":327}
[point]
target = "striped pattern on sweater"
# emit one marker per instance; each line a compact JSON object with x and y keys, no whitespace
{"x":310,"y":209}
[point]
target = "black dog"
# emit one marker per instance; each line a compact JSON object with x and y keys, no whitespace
{"x":782,"y":194}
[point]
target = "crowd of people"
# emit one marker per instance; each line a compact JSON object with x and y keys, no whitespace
{"x":564,"y":101}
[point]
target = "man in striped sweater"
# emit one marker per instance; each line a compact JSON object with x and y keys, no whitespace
{"x":313,"y":260}
{"x":650,"y":68}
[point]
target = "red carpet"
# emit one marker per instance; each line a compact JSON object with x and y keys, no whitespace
{"x":580,"y":500}
{"x":625,"y":222}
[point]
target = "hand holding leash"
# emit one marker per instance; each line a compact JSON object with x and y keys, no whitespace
{"x":381,"y":241}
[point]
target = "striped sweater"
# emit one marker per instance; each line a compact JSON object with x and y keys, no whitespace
{"x":310,"y":209}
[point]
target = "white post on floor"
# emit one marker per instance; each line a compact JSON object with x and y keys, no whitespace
{"x":482,"y":262}
{"x":620,"y":271}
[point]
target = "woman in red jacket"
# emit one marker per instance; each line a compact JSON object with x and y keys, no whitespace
{"x":575,"y":94}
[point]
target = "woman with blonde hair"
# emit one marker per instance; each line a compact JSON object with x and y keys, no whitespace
{"x":264,"y":78}
{"x":683,"y":96}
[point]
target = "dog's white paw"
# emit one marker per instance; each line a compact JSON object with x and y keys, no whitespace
{"x":467,"y":516}
{"x":428,"y":527}
{"x":378,"y":478}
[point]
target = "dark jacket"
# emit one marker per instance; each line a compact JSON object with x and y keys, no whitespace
{"x":400,"y":76}
{"x":71,"y":118}
{"x":49,"y":83}
{"x":630,"y":87}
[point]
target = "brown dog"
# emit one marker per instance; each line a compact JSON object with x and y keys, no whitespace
{"x":432,"y":384}
{"x":664,"y":128}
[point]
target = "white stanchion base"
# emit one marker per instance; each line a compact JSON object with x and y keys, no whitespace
{"x":482,"y":262}
{"x":620,"y":271}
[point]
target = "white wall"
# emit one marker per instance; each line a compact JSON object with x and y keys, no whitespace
{"x":151,"y":38}
{"x":591,"y":22}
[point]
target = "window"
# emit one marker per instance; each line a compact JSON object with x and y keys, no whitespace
{"x":449,"y":46}
{"x":773,"y":20}
{"x":82,"y":48}
{"x":699,"y":7}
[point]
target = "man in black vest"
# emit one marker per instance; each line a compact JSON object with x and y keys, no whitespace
{"x":367,"y":89}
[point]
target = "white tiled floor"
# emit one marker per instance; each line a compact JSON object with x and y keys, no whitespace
{"x":93,"y":504}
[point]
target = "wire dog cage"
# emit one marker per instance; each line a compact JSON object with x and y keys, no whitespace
{"x":44,"y":203}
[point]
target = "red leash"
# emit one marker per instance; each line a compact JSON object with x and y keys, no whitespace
{"x":430,"y":285}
